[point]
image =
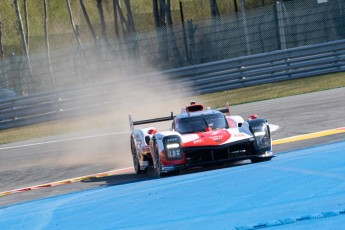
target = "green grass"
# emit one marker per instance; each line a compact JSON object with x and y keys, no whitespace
{"x":275,"y":90}
{"x":236,"y":96}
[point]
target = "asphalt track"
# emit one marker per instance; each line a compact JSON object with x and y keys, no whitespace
{"x":41,"y":161}
{"x":302,"y":189}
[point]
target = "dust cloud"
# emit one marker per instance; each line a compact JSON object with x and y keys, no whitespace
{"x":107,"y":147}
{"x":141,"y":97}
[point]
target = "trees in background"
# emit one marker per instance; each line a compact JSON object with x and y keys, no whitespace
{"x":124,"y":16}
{"x":164,"y":27}
{"x":22,"y":36}
{"x":75,"y":31}
{"x":162,"y":12}
{"x":46,"y":36}
{"x":123,"y":19}
{"x":20,"y":28}
{"x":101,"y":18}
{"x":214,"y":8}
{"x":87,"y":19}
{"x":127,"y":25}
{"x":27,"y":32}
{"x":1,"y":45}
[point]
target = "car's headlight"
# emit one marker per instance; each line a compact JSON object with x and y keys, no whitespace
{"x":172,"y":147}
{"x":262,"y":137}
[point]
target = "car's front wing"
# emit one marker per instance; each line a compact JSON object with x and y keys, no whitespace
{"x":217,"y":154}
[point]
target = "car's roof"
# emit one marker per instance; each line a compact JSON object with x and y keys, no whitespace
{"x":197,"y":113}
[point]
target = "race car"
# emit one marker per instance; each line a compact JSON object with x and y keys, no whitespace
{"x":199,"y":137}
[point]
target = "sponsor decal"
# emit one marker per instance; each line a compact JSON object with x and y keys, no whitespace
{"x":219,"y":137}
{"x":214,"y":133}
{"x":198,"y":141}
{"x":238,"y":135}
{"x":215,"y":137}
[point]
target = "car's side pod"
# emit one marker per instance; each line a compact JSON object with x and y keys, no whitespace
{"x":261,"y":132}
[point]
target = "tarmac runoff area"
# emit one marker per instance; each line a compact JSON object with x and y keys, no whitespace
{"x":130,"y":169}
{"x":302,"y":189}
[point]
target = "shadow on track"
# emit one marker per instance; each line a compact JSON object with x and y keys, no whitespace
{"x":150,"y":174}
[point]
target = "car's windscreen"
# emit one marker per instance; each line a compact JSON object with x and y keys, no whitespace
{"x":200,"y":123}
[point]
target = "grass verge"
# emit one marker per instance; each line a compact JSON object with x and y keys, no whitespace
{"x":234,"y":97}
{"x":275,"y":90}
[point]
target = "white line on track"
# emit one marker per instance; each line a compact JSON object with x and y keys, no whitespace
{"x":63,"y":140}
{"x":123,"y":132}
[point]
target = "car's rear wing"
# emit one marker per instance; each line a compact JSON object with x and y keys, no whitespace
{"x":171,"y":117}
{"x":226,"y":109}
{"x":148,"y":121}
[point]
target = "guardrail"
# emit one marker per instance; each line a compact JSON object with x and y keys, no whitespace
{"x":204,"y":78}
{"x":267,"y":67}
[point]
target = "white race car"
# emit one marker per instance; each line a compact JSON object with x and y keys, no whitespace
{"x":200,"y":137}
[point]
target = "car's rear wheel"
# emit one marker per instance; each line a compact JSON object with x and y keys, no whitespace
{"x":136,"y":163}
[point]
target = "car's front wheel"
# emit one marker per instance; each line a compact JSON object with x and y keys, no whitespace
{"x":158,"y":168}
{"x":136,"y":163}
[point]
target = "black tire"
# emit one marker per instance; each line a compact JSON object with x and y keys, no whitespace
{"x":260,"y":159}
{"x":158,"y":162}
{"x":136,"y":163}
{"x":174,"y":173}
{"x":158,"y":169}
